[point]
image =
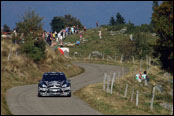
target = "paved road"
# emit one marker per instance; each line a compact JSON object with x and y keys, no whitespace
{"x":23,"y":99}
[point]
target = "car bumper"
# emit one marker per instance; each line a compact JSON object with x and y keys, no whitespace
{"x":55,"y":92}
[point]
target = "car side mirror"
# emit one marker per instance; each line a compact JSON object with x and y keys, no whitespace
{"x":39,"y":80}
{"x":69,"y":80}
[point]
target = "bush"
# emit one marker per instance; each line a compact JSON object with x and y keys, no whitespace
{"x":116,"y":27}
{"x":34,"y":50}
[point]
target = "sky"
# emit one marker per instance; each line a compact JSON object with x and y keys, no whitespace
{"x":88,"y":12}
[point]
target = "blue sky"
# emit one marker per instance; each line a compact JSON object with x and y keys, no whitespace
{"x":88,"y":12}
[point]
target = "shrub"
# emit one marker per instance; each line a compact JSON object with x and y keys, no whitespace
{"x":34,"y":50}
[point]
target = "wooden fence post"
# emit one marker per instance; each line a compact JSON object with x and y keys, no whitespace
{"x":108,"y":81}
{"x":113,"y":79}
{"x":172,"y":111}
{"x":9,"y":54}
{"x":121,"y":60}
{"x":153,"y":94}
{"x":137,"y":99}
{"x":89,"y":57}
{"x":118,"y":77}
{"x":103,"y":56}
{"x":132,"y":95}
{"x":133,"y":60}
{"x":125,"y":93}
{"x":105,"y":77}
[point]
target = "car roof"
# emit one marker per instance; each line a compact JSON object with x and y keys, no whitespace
{"x":54,"y":73}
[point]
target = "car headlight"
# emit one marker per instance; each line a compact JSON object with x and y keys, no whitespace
{"x":43,"y":85}
{"x":65,"y":85}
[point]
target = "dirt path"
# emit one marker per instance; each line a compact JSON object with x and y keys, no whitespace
{"x":24,"y":100}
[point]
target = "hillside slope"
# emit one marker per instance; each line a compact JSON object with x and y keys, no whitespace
{"x":17,"y":69}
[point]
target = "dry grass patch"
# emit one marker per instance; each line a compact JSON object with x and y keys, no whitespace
{"x":20,"y":70}
{"x":116,"y":104}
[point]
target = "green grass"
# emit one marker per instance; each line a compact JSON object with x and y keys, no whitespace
{"x":109,"y":45}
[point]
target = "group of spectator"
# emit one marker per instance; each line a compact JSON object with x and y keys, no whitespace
{"x":142,"y":77}
{"x":52,"y":38}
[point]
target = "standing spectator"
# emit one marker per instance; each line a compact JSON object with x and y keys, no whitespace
{"x":81,"y":35}
{"x":100,"y":34}
{"x":84,"y":28}
{"x":97,"y":24}
{"x":49,"y":39}
{"x":15,"y":33}
{"x":67,"y":31}
{"x":72,"y":30}
{"x":46,"y":35}
{"x":77,"y":27}
{"x":43,"y":35}
{"x":64,"y":32}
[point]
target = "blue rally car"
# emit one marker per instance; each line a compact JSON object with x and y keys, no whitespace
{"x":54,"y":84}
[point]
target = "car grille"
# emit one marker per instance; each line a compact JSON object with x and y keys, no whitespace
{"x":54,"y":85}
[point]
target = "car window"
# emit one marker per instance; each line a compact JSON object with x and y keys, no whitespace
{"x":54,"y":78}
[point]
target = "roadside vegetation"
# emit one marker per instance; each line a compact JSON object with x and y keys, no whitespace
{"x":117,"y":104}
{"x":17,"y":69}
{"x":25,"y":57}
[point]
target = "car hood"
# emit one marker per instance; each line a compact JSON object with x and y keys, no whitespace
{"x":54,"y":83}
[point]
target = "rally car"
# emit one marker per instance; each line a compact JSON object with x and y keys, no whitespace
{"x":54,"y":84}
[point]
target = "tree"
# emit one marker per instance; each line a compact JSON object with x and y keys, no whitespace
{"x":6,"y":28}
{"x":31,"y":25}
{"x":112,"y":21}
{"x":58,"y":22}
{"x":162,"y":18}
{"x":154,"y":5}
{"x":31,"y":22}
{"x":142,"y":46}
{"x":119,"y":19}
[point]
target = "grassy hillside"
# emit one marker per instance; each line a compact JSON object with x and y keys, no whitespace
{"x":109,"y":44}
{"x":116,"y":104}
{"x":20,"y":70}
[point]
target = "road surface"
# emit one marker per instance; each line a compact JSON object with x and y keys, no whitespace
{"x":23,"y":100}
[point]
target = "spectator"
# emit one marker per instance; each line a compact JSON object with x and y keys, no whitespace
{"x":100,"y":34}
{"x":138,"y":77}
{"x":84,"y":28}
{"x":72,"y":30}
{"x":49,"y":39}
{"x":67,"y":31}
{"x":77,"y":27}
{"x":64,"y":32}
{"x":97,"y":24}
{"x":144,"y":76}
{"x":81,"y":35}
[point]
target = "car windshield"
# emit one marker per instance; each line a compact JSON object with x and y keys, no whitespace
{"x":54,"y":78}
